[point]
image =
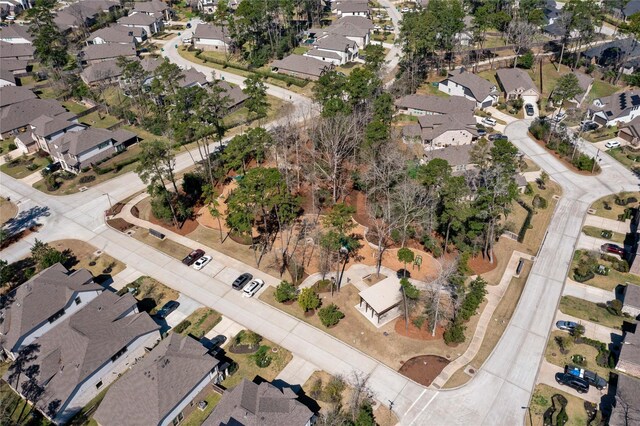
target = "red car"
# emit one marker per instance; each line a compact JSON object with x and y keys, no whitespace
{"x":192,"y":257}
{"x":612,"y":248}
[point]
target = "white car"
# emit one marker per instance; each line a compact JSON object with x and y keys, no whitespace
{"x":405,"y":10}
{"x":377,"y":27}
{"x":489,"y":121}
{"x":252,"y":288}
{"x":202,"y":262}
{"x":612,"y":144}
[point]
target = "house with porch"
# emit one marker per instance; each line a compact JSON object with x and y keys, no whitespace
{"x":442,"y":130}
{"x":335,"y":49}
{"x":516,"y":83}
{"x":304,"y":67}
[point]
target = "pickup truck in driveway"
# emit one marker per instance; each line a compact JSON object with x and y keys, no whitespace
{"x":591,"y":377}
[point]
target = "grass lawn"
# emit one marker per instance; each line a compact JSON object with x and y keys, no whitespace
{"x":592,"y":231}
{"x":248,"y":369}
{"x":541,"y":401}
{"x":86,"y":254}
{"x":530,"y":166}
{"x":16,"y":407}
{"x":197,"y":416}
{"x":601,"y":134}
{"x":589,"y":311}
{"x":202,"y":321}
{"x":429,"y":89}
{"x":606,"y":282}
{"x":622,"y":156}
{"x":4,"y":145}
{"x":46,"y":92}
{"x":550,"y":76}
{"x":8,"y":210}
{"x":99,"y":119}
{"x":151,"y":293}
{"x":167,"y":246}
{"x":601,"y":89}
{"x":277,"y":107}
{"x":23,"y":166}
{"x":554,"y":356}
{"x":491,"y":76}
{"x":74,"y":107}
{"x":614,"y":209}
{"x":300,"y":50}
{"x":403,"y":118}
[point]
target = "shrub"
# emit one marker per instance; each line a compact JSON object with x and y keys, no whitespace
{"x":87,"y":179}
{"x":473,"y":298}
{"x":262,"y":357}
{"x":539,"y":202}
{"x":182,"y":326}
{"x":316,"y":389}
{"x":409,"y":289}
{"x":419,"y":321}
{"x":249,"y":338}
{"x":526,"y":61}
{"x":526,"y":224}
{"x":454,"y":333}
{"x":308,"y":299}
{"x":330,"y":315}
{"x":333,"y":390}
{"x":615,"y":307}
{"x":12,"y":146}
{"x":285,"y":291}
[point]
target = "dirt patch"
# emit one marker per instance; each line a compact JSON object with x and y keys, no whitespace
{"x":373,"y":279}
{"x":424,"y":368}
{"x":119,"y":224}
{"x":243,"y":349}
{"x":116,"y":209}
{"x":413,"y":332}
{"x":18,"y":236}
{"x":481,"y":265}
{"x":100,"y":264}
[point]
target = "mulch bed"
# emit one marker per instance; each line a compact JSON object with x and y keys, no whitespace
{"x":424,"y":368}
{"x":414,"y":332}
{"x":309,"y":313}
{"x":120,"y":224}
{"x":480,"y":264}
{"x":187,"y":227}
{"x":566,"y":162}
{"x":243,"y":349}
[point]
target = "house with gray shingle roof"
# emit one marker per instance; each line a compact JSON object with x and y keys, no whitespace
{"x":103,"y":52}
{"x":14,"y":94}
{"x":442,"y":130}
{"x":115,"y":34}
{"x":304,"y":67}
{"x":629,"y":358}
{"x":631,"y":300}
{"x":470,"y":86}
{"x":335,"y":49}
{"x":45,"y":129}
{"x":211,"y":37}
{"x":15,"y":34}
{"x":250,"y":404}
{"x":42,"y":303}
{"x":101,"y":72}
{"x":160,"y":389}
{"x":351,"y":8}
{"x":20,"y":114}
{"x":419,"y":105}
{"x":626,"y":410}
{"x":151,"y":23}
{"x":618,"y":108}
{"x":20,"y":51}
{"x":516,"y":83}
{"x":86,"y":352}
{"x":356,"y":28}
{"x":153,"y":7}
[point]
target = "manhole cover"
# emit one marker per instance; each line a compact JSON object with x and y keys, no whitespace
{"x":472,"y":371}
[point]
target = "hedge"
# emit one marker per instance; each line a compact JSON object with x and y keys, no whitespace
{"x":182,"y":326}
{"x":527,"y":220}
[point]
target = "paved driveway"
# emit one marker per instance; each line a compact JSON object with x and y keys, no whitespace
{"x":547,"y":376}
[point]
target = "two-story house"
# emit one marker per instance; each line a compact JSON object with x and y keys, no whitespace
{"x":470,"y":86}
{"x":211,"y":37}
{"x":351,"y":8}
{"x":154,"y":8}
{"x":42,"y":130}
{"x":151,"y":23}
{"x":618,"y":108}
{"x":335,"y":49}
{"x":86,"y":352}
{"x":42,"y":303}
{"x":355,"y":28}
{"x":161,"y":390}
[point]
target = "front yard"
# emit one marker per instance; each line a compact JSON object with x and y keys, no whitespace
{"x":151,"y":294}
{"x":608,"y":208}
{"x":199,"y":323}
{"x":99,"y":263}
{"x":590,"y":311}
{"x":592,"y":231}
{"x":606,"y":282}
{"x":541,"y":401}
{"x":23,"y":166}
{"x":554,"y":353}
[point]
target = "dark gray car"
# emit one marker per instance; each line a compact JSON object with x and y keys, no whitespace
{"x":241,"y":281}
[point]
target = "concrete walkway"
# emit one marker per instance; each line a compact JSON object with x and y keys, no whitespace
{"x":499,"y":115}
{"x":547,"y":376}
{"x":587,"y":292}
{"x":586,"y":242}
{"x":226,"y":327}
{"x":591,"y":329}
{"x":494,"y":296}
{"x":128,"y":275}
{"x":297,"y":371}
{"x":610,"y":224}
{"x":32,"y":178}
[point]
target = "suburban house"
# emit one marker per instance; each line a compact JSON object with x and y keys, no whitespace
{"x":207,"y":6}
{"x":236,"y":97}
{"x":14,"y":94}
{"x":150,"y":23}
{"x":22,"y":51}
{"x":42,"y":303}
{"x":77,"y":150}
{"x":83,"y":13}
{"x":631,"y":300}
{"x":16,"y":66}
{"x":625,"y":411}
{"x":14,"y":7}
{"x":301,"y":66}
{"x":18,"y":115}
{"x":192,"y":77}
{"x":335,"y":49}
{"x":351,"y":8}
{"x":419,"y":105}
{"x":6,"y":77}
{"x":103,"y":52}
{"x":618,"y":108}
{"x":15,"y":34}
{"x":211,"y":37}
{"x":442,"y":130}
{"x":585,"y":82}
{"x":115,"y":34}
{"x":102,"y":72}
{"x":44,"y":129}
{"x":86,"y":352}
{"x":264,"y":404}
{"x":630,"y":131}
{"x":612,"y":52}
{"x":458,"y":157}
{"x":470,"y":86}
{"x":516,"y":84}
{"x":154,"y":8}
{"x":164,"y":387}
{"x":629,"y":359}
{"x":355,"y":28}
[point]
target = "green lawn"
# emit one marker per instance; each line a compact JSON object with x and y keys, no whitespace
{"x":22,"y":167}
{"x":541,"y":402}
{"x":601,"y":89}
{"x":606,"y":282}
{"x":152,"y":294}
{"x":301,"y":50}
{"x":99,"y":119}
{"x":4,"y":145}
{"x":589,"y":311}
{"x":74,"y":107}
{"x":590,"y":353}
{"x":491,"y":76}
{"x":592,"y":231}
{"x":202,"y":321}
{"x":614,"y":209}
{"x":197,"y":416}
{"x":550,"y":76}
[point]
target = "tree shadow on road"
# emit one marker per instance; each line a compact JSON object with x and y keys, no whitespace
{"x":26,"y":219}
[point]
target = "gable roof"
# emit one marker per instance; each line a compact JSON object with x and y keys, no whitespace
{"x":192,"y":77}
{"x":358,"y":21}
{"x":138,"y":19}
{"x":94,"y":52}
{"x":15,"y":31}
{"x":150,"y":6}
{"x":437,"y":104}
{"x":250,"y":404}
{"x":211,"y":32}
{"x":20,"y":114}
{"x":234,"y":93}
{"x":478,"y":86}
{"x":301,"y":64}
{"x":44,"y":125}
{"x":14,"y":94}
{"x":631,"y":8}
{"x":16,"y":50}
{"x":615,"y":105}
{"x":41,"y":297}
{"x":334,"y":42}
{"x":157,"y":384}
{"x":78,"y":142}
{"x":323,"y":54}
{"x":632,"y":292}
{"x":101,"y":71}
{"x":432,"y":126}
{"x":455,"y":155}
{"x":630,"y":350}
{"x":150,"y":64}
{"x":626,"y":412}
{"x":114,"y":34}
{"x":7,"y":76}
{"x":352,"y":7}
{"x":71,"y":352}
{"x":14,"y":64}
{"x":513,"y":79}
{"x":350,"y":26}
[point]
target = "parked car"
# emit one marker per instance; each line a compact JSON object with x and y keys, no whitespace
{"x":482,"y":132}
{"x":403,"y":273}
{"x":568,"y":325}
{"x":489,"y":121}
{"x":53,"y":167}
{"x":529,"y":110}
{"x":612,"y":248}
{"x":202,"y":262}
{"x":388,"y":28}
{"x":592,"y":378}
{"x":192,"y":257}
{"x":377,"y":27}
{"x":404,"y":10}
{"x":218,"y":340}
{"x":241,"y":281}
{"x":253,"y":287}
{"x":612,"y":144}
{"x":577,"y":383}
{"x":168,"y":307}
{"x":587,"y":126}
{"x":497,"y":136}
{"x":188,"y":24}
{"x":559,"y":117}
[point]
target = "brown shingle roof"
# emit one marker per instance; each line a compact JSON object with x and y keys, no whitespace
{"x":631,"y":291}
{"x":71,"y":352}
{"x":479,"y":87}
{"x":154,"y":387}
{"x":107,"y":51}
{"x":22,"y":113}
{"x":150,"y":6}
{"x":250,"y":404}
{"x":302,"y":65}
{"x":457,"y":155}
{"x":618,"y":103}
{"x":234,"y":93}
{"x":101,"y":71}
{"x":211,"y":32}
{"x":14,"y":94}
{"x":137,"y":19}
{"x":10,"y":50}
{"x":334,"y":42}
{"x":432,"y":126}
{"x":514,"y":78}
{"x":44,"y":125}
{"x":436,"y":104}
{"x":41,"y":297}
{"x":114,"y":34}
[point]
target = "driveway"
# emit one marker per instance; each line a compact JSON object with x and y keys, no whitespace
{"x":610,"y":224}
{"x":186,"y":308}
{"x":296,"y":372}
{"x":547,"y":376}
{"x":587,"y":292}
{"x":592,"y":330}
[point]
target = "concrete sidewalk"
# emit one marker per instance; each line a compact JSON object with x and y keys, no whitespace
{"x":587,"y":292}
{"x":610,"y":224}
{"x":297,"y":371}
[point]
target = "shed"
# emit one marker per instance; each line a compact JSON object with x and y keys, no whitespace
{"x":381,"y":297}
